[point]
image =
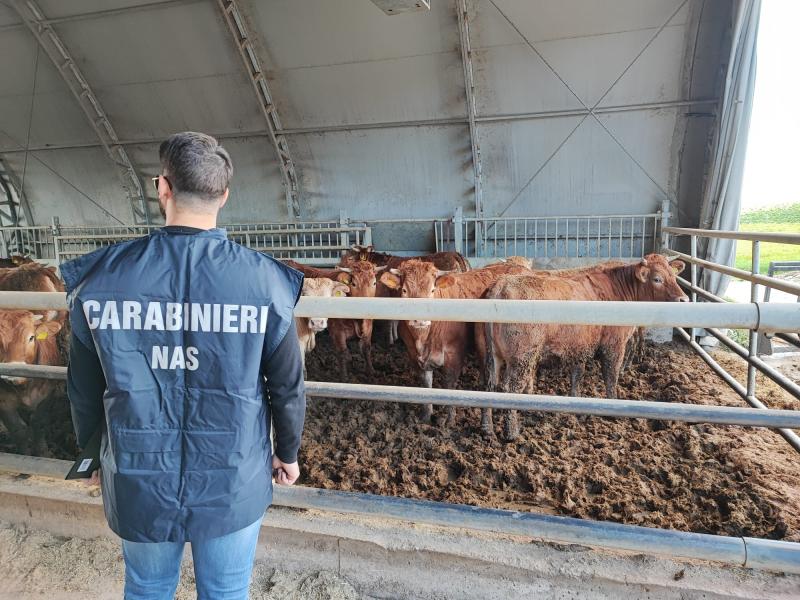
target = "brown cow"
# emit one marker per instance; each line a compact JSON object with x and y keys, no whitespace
{"x":514,"y":350}
{"x":14,"y":261}
{"x":441,"y":344}
{"x":445,"y":261}
{"x":361,"y":277}
{"x":313,"y":272}
{"x":14,"y":392}
{"x":33,"y":277}
{"x":308,"y":327}
{"x":26,"y":338}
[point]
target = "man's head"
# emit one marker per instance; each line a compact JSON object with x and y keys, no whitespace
{"x":195,"y":173}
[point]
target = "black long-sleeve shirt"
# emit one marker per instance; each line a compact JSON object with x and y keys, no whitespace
{"x":283,"y":369}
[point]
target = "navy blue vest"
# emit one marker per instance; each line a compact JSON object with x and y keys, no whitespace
{"x":180,"y":323}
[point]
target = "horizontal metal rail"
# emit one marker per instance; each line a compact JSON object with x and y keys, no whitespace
{"x":788,"y":338}
{"x":309,"y":248}
{"x":103,"y":236}
{"x":752,"y":236}
{"x":758,"y":316}
{"x":736,"y":551}
{"x":35,"y":371}
{"x":773,"y":282}
{"x":634,"y":409}
{"x":700,"y":291}
{"x":789,"y":435}
{"x":772,"y":317}
{"x":563,"y":217}
{"x":747,"y":552}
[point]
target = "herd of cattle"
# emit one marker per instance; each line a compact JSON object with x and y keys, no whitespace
{"x":34,"y":338}
{"x":509,"y":353}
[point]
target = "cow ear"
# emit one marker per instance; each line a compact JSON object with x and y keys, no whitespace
{"x":47,"y":329}
{"x":642,"y":272}
{"x":343,"y":277}
{"x":677,"y":266}
{"x":391,"y":280}
{"x":340,"y":290}
{"x":445,"y":281}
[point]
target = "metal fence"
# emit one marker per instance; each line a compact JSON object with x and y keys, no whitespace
{"x":309,"y":242}
{"x":36,"y":242}
{"x":749,"y":353}
{"x":609,"y":236}
{"x":322,"y":242}
{"x":766,"y":554}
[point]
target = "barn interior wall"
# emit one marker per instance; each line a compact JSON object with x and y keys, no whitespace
{"x":341,"y":71}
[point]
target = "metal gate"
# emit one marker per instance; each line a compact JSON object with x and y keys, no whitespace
{"x":610,"y":236}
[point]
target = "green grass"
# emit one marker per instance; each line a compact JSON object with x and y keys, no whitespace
{"x":789,"y":213}
{"x":769,"y":252}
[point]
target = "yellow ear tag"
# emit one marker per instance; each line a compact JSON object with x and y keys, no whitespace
{"x":338,"y":293}
{"x":42,"y":335}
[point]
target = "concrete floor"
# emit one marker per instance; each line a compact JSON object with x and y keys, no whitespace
{"x":376,"y":558}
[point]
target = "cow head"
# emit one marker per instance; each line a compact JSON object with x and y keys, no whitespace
{"x":358,"y":254}
{"x":417,"y":279}
{"x":362,"y":277}
{"x":21,"y":334}
{"x":323,"y":287}
{"x":655,"y":277}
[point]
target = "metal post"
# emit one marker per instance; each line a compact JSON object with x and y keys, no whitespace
{"x":56,"y":230}
{"x":660,"y":223}
{"x":458,"y":230}
{"x":694,"y":280}
{"x":469,"y":87}
{"x":344,"y":237}
{"x":753,"y":345}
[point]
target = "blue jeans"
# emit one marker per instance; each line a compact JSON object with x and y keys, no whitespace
{"x":222,"y":566}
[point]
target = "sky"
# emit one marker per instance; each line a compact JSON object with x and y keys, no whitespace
{"x":772,"y":163}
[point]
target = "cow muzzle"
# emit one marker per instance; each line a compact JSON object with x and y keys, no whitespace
{"x":683,"y":298}
{"x":419,"y":324}
{"x":317,"y":325}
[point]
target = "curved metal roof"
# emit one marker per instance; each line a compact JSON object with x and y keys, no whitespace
{"x":581,"y":107}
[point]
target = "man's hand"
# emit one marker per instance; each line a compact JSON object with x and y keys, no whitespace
{"x":285,"y":473}
{"x":94,"y":479}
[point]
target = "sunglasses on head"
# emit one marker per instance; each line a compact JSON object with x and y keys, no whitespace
{"x":155,"y":182}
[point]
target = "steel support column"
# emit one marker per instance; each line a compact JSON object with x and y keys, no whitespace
{"x":243,"y":40}
{"x":469,"y":85}
{"x":57,"y":51}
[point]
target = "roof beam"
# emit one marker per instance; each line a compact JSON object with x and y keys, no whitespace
{"x":469,"y":84}
{"x":58,"y":53}
{"x":445,"y":122}
{"x":15,"y":197}
{"x":243,"y":40}
{"x":109,"y":12}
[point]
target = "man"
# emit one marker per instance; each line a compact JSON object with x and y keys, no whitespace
{"x":173,"y":335}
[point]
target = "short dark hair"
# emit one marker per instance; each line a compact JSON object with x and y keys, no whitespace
{"x":195,"y":165}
